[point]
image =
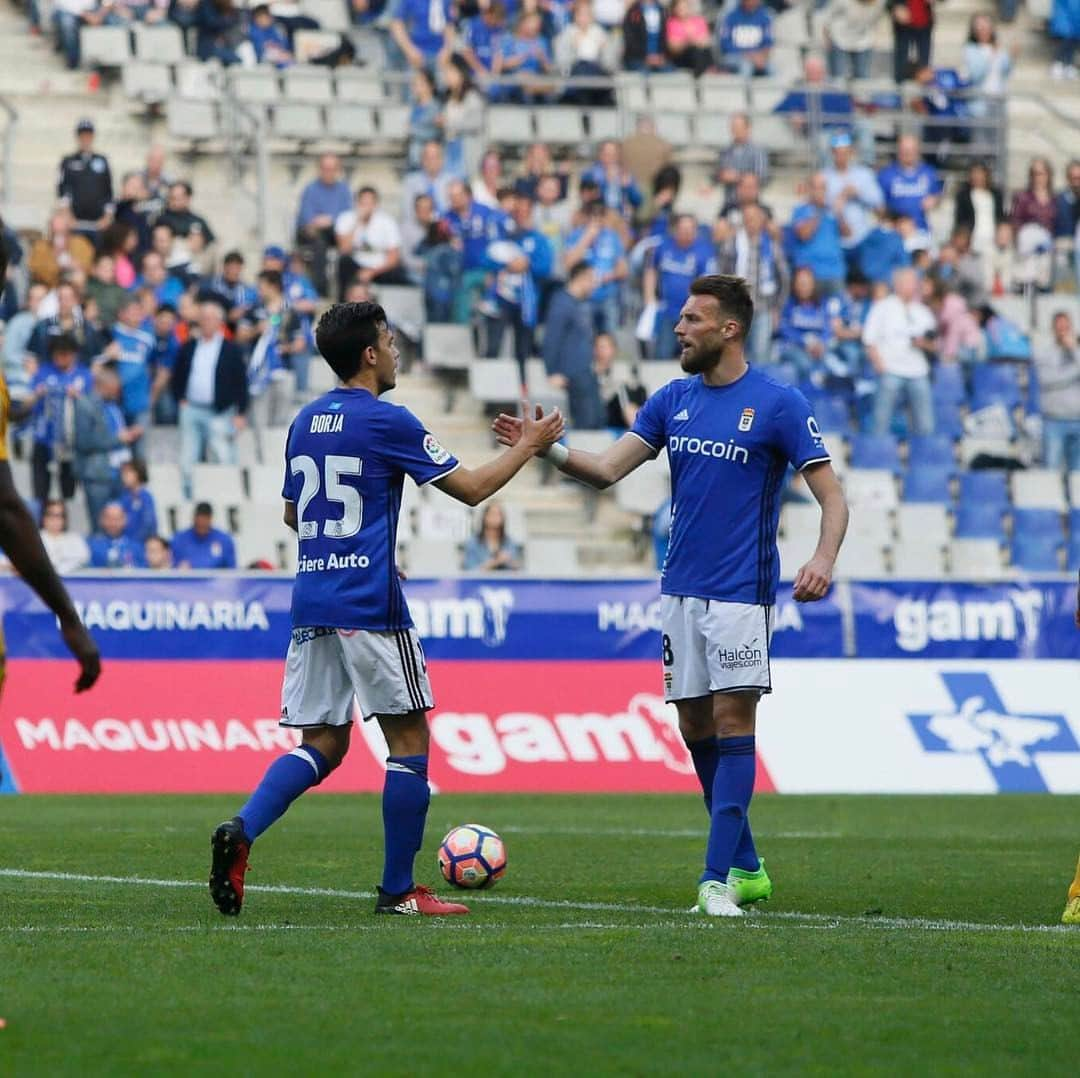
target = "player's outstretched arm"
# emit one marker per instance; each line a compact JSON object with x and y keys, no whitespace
{"x":813,"y":579}
{"x":22,"y":544}
{"x":537,"y":433}
{"x":599,"y":470}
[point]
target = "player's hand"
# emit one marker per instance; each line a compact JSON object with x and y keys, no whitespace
{"x":812,"y":581}
{"x":81,"y":644}
{"x":507,"y":429}
{"x":539,"y":431}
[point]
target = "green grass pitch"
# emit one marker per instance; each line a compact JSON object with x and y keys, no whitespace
{"x":895,"y":943}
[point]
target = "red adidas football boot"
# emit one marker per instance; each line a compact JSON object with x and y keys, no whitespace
{"x":230,"y":848}
{"x":420,"y":901}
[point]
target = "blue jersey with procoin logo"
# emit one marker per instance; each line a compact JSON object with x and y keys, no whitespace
{"x":729,"y":448}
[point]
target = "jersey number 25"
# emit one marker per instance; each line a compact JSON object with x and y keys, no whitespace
{"x":333,"y":490}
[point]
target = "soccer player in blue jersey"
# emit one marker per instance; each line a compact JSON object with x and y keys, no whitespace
{"x":730,"y":433}
{"x":346,"y":457}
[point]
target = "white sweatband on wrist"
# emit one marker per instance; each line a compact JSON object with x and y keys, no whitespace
{"x":558,"y":454}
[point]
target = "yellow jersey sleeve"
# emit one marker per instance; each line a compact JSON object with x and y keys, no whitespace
{"x":5,"y":404}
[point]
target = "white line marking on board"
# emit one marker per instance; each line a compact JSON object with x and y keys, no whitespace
{"x":775,"y":919}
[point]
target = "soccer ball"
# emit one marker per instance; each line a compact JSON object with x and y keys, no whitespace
{"x":472,"y":857}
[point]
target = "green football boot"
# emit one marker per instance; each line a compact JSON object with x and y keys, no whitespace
{"x":749,"y":887}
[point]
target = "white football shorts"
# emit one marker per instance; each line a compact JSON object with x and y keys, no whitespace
{"x":709,"y":646}
{"x":326,"y":668}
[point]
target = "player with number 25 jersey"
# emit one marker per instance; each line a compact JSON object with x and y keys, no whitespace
{"x":353,"y":644}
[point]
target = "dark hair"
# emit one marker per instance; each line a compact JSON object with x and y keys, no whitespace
{"x":139,"y":465}
{"x":458,"y":62}
{"x":47,"y":505}
{"x":344,"y":332}
{"x":158,"y":539}
{"x":577,"y":269}
{"x":971,"y":28}
{"x":367,"y":189}
{"x":166,"y":308}
{"x":113,"y":239}
{"x":731,"y":294}
{"x":185,"y":185}
{"x":233,"y":256}
{"x":165,"y":225}
{"x":273,"y":278}
{"x":482,"y":523}
{"x":667,"y":178}
{"x":203,"y":509}
{"x":63,"y":342}
{"x":260,"y":9}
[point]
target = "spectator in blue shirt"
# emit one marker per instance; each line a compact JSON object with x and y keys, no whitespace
{"x":110,"y":547}
{"x":677,"y":260}
{"x":816,"y":234}
{"x":602,"y":248}
{"x":882,"y":251}
{"x":238,"y":296}
{"x":422,"y":30}
{"x":322,"y":201}
{"x":618,"y":189}
{"x":568,"y":348}
{"x":853,"y":189}
{"x":807,"y":332}
{"x":744,"y":39}
{"x":268,"y":38}
{"x":475,"y":226}
{"x":167,"y":289}
{"x":202,"y":546}
{"x":69,"y":321}
{"x":138,"y":502}
{"x":481,"y":40}
{"x":52,"y":384}
{"x":525,"y":52}
{"x":157,"y":553}
{"x":912,"y":188}
{"x":520,"y":264}
{"x":132,"y":349}
{"x":166,"y":347}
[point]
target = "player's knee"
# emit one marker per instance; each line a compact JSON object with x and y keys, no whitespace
{"x":734,"y":714}
{"x":332,"y":743}
{"x":406,"y":735}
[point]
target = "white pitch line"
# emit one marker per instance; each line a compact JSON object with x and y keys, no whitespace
{"x":646,"y":832}
{"x":758,"y":919}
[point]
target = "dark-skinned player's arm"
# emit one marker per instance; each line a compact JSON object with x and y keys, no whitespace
{"x":21,"y":543}
{"x":599,"y":470}
{"x":536,"y":433}
{"x":813,"y":579}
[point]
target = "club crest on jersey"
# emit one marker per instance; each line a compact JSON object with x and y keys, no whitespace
{"x":746,"y":420}
{"x":434,"y":449}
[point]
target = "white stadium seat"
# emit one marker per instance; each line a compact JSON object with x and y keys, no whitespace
{"x":355,"y":86}
{"x":509,"y":124}
{"x":922,"y":523}
{"x":560,"y":124}
{"x":431,"y":557}
{"x":160,"y":44}
{"x":302,"y":122}
{"x":150,"y":83}
{"x":645,"y":489}
{"x":310,"y":85}
{"x":977,"y":558}
{"x":104,"y":46}
{"x":861,"y":558}
{"x":255,"y":86}
{"x":918,"y":558}
{"x":870,"y":489}
{"x":350,"y":122}
{"x":1039,"y":488}
{"x":495,"y":381}
{"x":551,"y":557}
{"x":194,"y":121}
{"x":448,"y":346}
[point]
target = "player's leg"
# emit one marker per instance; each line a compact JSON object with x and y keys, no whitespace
{"x":698,"y":730}
{"x":1071,"y":916}
{"x":316,"y":696}
{"x":389,"y":677}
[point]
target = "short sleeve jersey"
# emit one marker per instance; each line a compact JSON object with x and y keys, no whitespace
{"x":729,"y":448}
{"x":346,"y":458}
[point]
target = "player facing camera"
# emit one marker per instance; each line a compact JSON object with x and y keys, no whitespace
{"x":717,"y":314}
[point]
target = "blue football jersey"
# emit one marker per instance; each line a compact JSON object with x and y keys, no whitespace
{"x":729,"y":448}
{"x":346,"y":458}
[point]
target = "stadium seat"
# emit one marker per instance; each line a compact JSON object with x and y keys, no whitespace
{"x":602,"y":124}
{"x":495,"y":381}
{"x":199,"y":81}
{"x":832,"y":414}
{"x":552,"y":557}
{"x":722,"y":95}
{"x":309,"y":84}
{"x":329,"y":14}
{"x":948,"y":420}
{"x":350,"y":123}
{"x":877,"y":451}
{"x":977,"y":558}
{"x":994,"y":383}
{"x":1074,"y":489}
{"x":645,"y":489}
{"x":675,"y":127}
{"x":356,"y":86}
{"x":794,"y":554}
{"x":263,"y":482}
{"x":404,"y":306}
{"x":268,"y":444}
{"x":540,"y":391}
{"x":800,"y":519}
{"x":160,"y":44}
{"x":222,"y":484}
{"x":836,"y":446}
{"x":448,"y":346}
{"x":871,"y":524}
{"x":560,"y":124}
{"x":164,"y":482}
{"x":192,"y":121}
{"x":674,"y":96}
{"x":297,"y":122}
{"x":861,"y":558}
{"x":1038,"y":524}
{"x":975,"y":520}
{"x":922,"y":524}
{"x":631,"y":91}
{"x":948,"y":384}
{"x":510,"y":124}
{"x":1036,"y":554}
{"x":927,"y":485}
{"x":257,"y":546}
{"x":444,"y":518}
{"x":974,"y":446}
{"x":989,"y":487}
{"x":104,"y":46}
{"x":590,"y":441}
{"x":871,"y":489}
{"x":256,"y":85}
{"x":431,"y":558}
{"x":149,"y":83}
{"x":934,"y":450}
{"x":393,"y":121}
{"x":656,"y":373}
{"x":712,"y":129}
{"x":919,"y":560}
{"x":1039,"y":488}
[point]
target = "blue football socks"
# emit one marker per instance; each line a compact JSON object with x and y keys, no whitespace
{"x":733,"y":788}
{"x":705,"y":755}
{"x":406,"y":796}
{"x":285,"y":780}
